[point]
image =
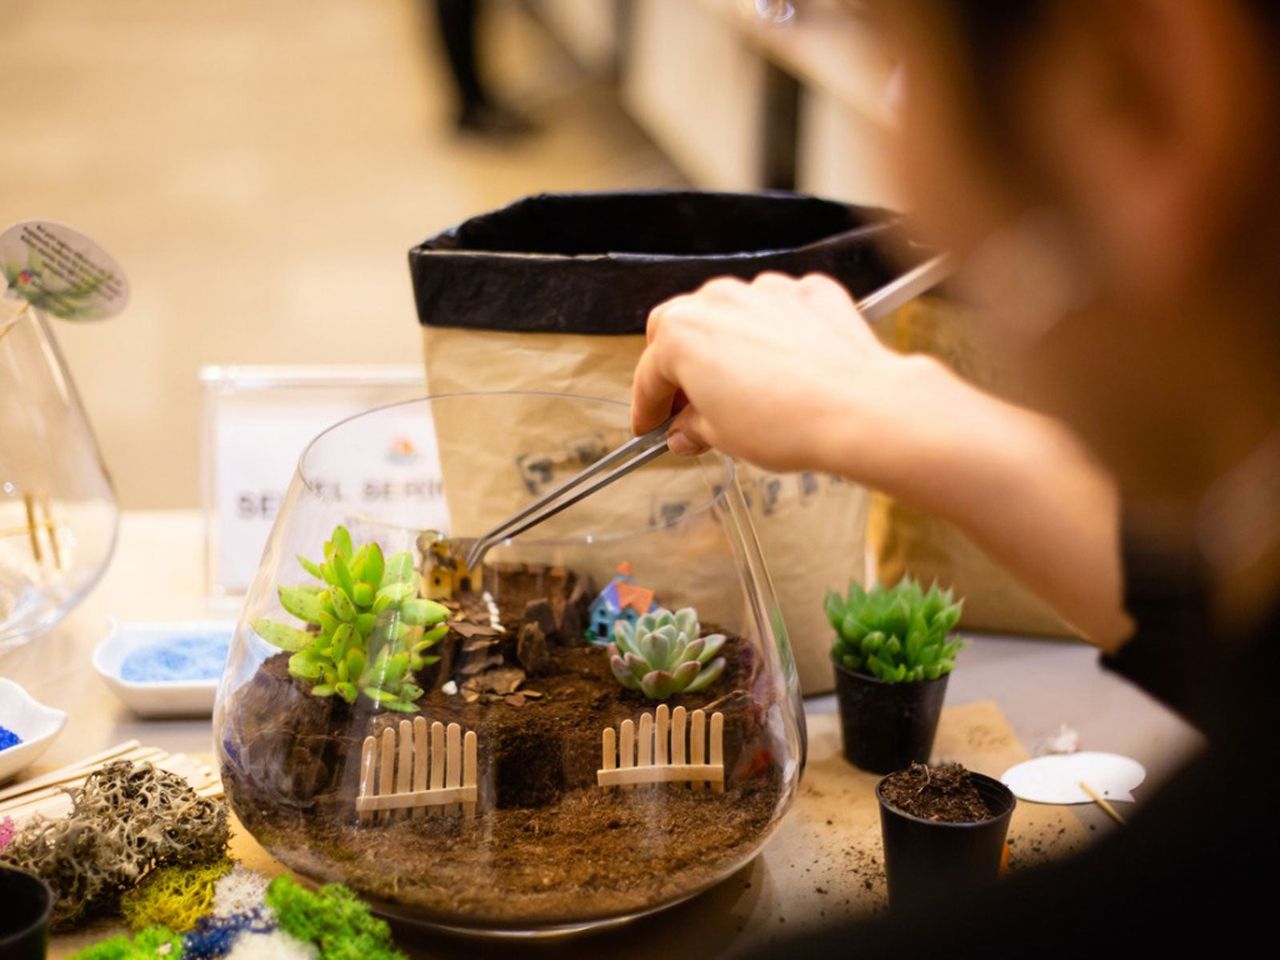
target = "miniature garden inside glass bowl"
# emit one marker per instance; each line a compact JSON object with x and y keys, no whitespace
{"x":598,"y":721}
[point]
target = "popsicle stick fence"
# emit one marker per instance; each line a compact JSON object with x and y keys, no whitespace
{"x":413,"y":771}
{"x":674,"y":747}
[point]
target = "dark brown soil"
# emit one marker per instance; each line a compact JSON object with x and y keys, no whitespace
{"x":945,"y":793}
{"x":592,"y":855}
{"x":288,"y":748}
{"x":548,"y":846}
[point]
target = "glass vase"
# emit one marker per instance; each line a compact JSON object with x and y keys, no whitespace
{"x":600,"y":721}
{"x":58,"y":513}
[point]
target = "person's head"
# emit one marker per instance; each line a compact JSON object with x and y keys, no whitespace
{"x":1130,"y":146}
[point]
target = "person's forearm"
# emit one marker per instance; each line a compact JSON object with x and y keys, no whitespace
{"x":1020,"y":486}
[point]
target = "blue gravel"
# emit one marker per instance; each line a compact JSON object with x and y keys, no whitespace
{"x":8,"y":738}
{"x":198,"y":656}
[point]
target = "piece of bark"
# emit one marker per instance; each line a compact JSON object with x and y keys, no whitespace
{"x":531,"y":648}
{"x":539,"y":612}
{"x":572,"y":628}
{"x":472,"y":630}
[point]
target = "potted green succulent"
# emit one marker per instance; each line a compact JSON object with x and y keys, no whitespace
{"x":366,"y":629}
{"x":893,"y":652}
{"x":662,"y":655}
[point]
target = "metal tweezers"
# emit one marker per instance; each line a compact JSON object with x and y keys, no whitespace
{"x":635,"y":453}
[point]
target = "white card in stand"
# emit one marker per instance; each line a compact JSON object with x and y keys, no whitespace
{"x":1056,"y":778}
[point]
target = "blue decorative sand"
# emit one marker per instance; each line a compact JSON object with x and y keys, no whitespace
{"x":213,"y":937}
{"x":8,"y":738}
{"x":187,"y":657}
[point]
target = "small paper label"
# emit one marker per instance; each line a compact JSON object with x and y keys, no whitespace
{"x":61,"y":272}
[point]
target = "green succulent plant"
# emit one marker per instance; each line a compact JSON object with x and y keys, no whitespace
{"x":368,"y":630}
{"x":899,"y":634}
{"x":662,"y":655}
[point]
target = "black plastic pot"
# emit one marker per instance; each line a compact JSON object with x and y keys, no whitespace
{"x":25,"y":905}
{"x":925,"y":859}
{"x":597,"y":263}
{"x":887,"y":726}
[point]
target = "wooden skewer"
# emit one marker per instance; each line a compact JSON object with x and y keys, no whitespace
{"x":70,"y":771}
{"x":1102,"y":801}
{"x":13,"y":320}
{"x":61,"y":787}
{"x":51,"y":532}
{"x":59,"y":805}
{"x":203,"y":780}
{"x":53,"y":808}
{"x":70,"y":778}
{"x":22,"y":531}
{"x":58,"y":802}
{"x":30,"y":503}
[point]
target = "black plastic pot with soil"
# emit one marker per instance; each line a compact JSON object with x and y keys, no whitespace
{"x":944,"y":830}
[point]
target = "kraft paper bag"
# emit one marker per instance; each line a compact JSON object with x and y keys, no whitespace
{"x":810,"y":527}
{"x":906,"y":541}
{"x":552,"y":294}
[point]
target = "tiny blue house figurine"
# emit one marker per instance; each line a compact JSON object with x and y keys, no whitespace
{"x":622,"y":599}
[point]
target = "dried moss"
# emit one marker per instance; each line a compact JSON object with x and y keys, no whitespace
{"x":128,"y":820}
{"x":332,"y":918}
{"x":174,"y":897}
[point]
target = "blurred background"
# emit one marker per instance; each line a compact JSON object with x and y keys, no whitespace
{"x":261,"y":169}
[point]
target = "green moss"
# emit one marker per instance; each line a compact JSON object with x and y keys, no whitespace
{"x":174,"y":897}
{"x":154,"y":943}
{"x":333,"y":919}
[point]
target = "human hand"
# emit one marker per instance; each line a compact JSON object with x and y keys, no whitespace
{"x":786,"y":374}
{"x":781,"y":372}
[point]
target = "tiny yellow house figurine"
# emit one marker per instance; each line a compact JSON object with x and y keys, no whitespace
{"x":443,"y":575}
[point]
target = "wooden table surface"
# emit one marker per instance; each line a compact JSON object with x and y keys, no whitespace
{"x":821,"y":864}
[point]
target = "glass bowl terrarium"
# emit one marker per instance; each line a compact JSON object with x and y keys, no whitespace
{"x":600,"y":720}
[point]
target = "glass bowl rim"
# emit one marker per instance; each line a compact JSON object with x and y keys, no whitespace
{"x":705,"y":504}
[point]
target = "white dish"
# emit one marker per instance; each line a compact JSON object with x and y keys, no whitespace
{"x":1056,"y":778}
{"x":160,"y":698}
{"x":34,"y":723}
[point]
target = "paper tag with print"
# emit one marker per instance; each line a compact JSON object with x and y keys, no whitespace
{"x":61,"y":272}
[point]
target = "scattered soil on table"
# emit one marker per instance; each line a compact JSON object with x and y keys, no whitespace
{"x":1041,"y":844}
{"x":547,"y":845}
{"x":946,"y":794}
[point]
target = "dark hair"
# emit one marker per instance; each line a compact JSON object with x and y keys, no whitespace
{"x":989,"y":35}
{"x":990,"y":30}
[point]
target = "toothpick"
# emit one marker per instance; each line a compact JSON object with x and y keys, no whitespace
{"x":1101,"y":801}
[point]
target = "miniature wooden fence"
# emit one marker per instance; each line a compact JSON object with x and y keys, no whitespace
{"x":418,"y":771}
{"x":661,"y":747}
